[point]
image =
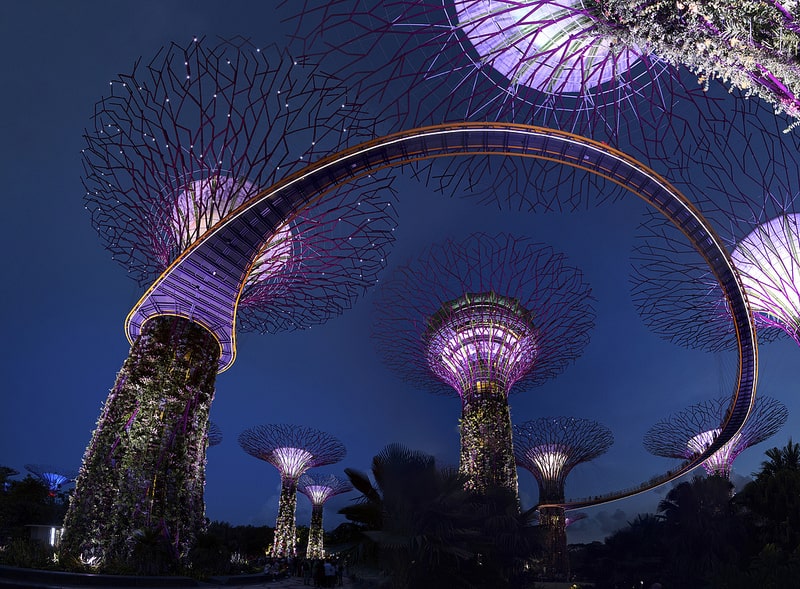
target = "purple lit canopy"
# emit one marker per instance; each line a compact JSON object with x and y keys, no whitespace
{"x":691,"y":431}
{"x":495,"y":309}
{"x":190,"y":138}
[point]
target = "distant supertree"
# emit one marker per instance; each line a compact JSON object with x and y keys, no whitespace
{"x":549,"y":448}
{"x":475,"y":319}
{"x":319,"y":489}
{"x":214,"y":434}
{"x":292,"y":450}
{"x":52,"y":476}
{"x":692,"y":430}
{"x":177,"y":147}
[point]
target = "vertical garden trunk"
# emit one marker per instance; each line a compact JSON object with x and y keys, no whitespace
{"x":487,"y":451}
{"x":143,"y":472}
{"x":553,"y":522}
{"x":316,"y":548}
{"x":284,"y":543}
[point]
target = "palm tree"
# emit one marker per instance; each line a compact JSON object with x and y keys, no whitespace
{"x":772,"y":500}
{"x":415,"y":515}
{"x":780,"y":459}
{"x":701,"y":532}
{"x":430,"y":532}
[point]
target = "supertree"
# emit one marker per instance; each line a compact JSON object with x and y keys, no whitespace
{"x":482,"y":318}
{"x":178,"y":146}
{"x":319,"y":489}
{"x":607,"y":69}
{"x":747,"y":186}
{"x":52,"y":476}
{"x":214,"y":434}
{"x":549,"y":448}
{"x":292,"y":449}
{"x":692,"y":430}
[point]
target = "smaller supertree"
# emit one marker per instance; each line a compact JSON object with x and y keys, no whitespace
{"x":52,"y":476}
{"x":319,"y":489}
{"x":292,"y":449}
{"x":692,"y":430}
{"x":549,"y":448}
{"x":214,"y":434}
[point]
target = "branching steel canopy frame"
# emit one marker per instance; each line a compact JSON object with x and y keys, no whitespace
{"x":205,"y":282}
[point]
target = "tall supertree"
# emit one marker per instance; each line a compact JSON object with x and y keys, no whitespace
{"x":482,"y":318}
{"x":549,"y":448}
{"x":179,"y":145}
{"x":612,"y":70}
{"x":319,"y":489}
{"x":52,"y":476}
{"x":692,"y":430}
{"x":292,"y":449}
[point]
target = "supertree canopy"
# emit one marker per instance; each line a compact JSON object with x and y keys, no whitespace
{"x":746,"y":185}
{"x":545,"y":62}
{"x":177,"y":147}
{"x":607,"y":69}
{"x":478,"y":319}
{"x":52,"y":476}
{"x":768,"y":260}
{"x":692,"y":430}
{"x":292,"y":450}
{"x":319,"y":489}
{"x":549,"y":448}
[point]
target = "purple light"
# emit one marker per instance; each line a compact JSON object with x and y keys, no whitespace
{"x":768,"y":260}
{"x":292,"y":462}
{"x":721,"y":461}
{"x":552,"y":47}
{"x":318,"y":493}
{"x":690,"y":432}
{"x":549,"y":459}
{"x":482,"y":339}
{"x":201,"y":204}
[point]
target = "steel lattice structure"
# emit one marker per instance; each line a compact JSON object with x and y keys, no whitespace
{"x":549,"y":448}
{"x":599,"y":53}
{"x":600,"y":69}
{"x":319,"y":489}
{"x":52,"y":476}
{"x":535,"y":61}
{"x":747,"y":185}
{"x":179,"y":145}
{"x":690,"y":432}
{"x":292,"y":449}
{"x":481,"y":318}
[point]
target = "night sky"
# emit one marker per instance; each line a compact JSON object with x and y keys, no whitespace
{"x":65,"y":300}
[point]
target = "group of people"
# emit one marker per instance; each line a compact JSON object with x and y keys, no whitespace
{"x":322,"y":573}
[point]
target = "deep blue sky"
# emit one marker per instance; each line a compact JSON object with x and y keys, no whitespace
{"x":65,"y":300}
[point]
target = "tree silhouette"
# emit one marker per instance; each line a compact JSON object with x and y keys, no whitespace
{"x":428,"y":531}
{"x":701,"y":532}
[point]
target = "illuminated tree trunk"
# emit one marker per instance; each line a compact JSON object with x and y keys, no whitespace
{"x":554,"y":523}
{"x":285,"y":538}
{"x":145,"y":466}
{"x":316,"y":547}
{"x":487,"y":452}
